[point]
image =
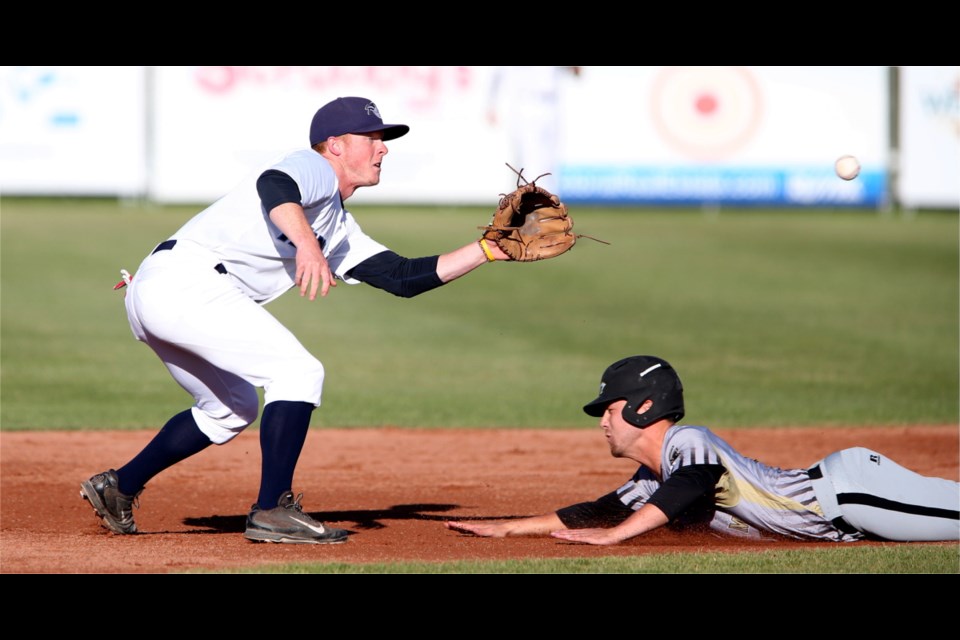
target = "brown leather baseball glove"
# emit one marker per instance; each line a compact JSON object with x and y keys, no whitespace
{"x":531,"y":223}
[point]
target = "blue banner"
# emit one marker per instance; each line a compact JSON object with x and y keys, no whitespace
{"x":795,"y":186}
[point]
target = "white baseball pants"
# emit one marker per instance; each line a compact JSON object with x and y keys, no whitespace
{"x":217,"y":343}
{"x":877,"y":496}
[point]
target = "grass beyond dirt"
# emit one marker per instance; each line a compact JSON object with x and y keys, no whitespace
{"x":889,"y":558}
{"x":771,"y":317}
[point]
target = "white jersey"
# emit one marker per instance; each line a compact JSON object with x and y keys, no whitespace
{"x":749,"y":496}
{"x":262,"y":262}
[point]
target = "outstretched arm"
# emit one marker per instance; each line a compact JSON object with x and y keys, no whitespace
{"x":606,"y":510}
{"x":688,"y":488}
{"x":535,"y":525}
{"x":409,"y":277}
{"x":647,"y":518}
{"x":461,"y":261}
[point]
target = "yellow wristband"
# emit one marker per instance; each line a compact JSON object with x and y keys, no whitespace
{"x":486,"y":250}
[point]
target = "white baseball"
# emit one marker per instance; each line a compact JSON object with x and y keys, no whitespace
{"x":847,"y":167}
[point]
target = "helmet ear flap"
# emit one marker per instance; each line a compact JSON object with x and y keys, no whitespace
{"x":662,"y":387}
{"x":631,"y":413}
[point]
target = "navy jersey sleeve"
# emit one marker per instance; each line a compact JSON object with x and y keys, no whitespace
{"x":276,"y":188}
{"x":404,"y":277}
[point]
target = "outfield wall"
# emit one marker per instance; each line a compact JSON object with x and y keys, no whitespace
{"x":625,"y":135}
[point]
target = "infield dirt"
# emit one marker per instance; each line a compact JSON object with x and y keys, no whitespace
{"x":391,"y":488}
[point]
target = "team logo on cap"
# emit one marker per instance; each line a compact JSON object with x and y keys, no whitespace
{"x":602,"y":386}
{"x":372,"y":110}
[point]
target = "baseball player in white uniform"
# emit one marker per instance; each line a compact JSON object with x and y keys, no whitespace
{"x":690,"y":475}
{"x":198,"y":301}
{"x":528,"y":101}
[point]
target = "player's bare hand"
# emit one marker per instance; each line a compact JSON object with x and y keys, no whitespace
{"x":313,"y":273}
{"x":484,"y":530}
{"x":588,"y":536}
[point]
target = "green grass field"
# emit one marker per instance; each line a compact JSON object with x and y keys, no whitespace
{"x":772,"y":318}
{"x":892,"y":558}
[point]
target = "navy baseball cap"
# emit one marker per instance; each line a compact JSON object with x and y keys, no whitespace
{"x":351,"y":115}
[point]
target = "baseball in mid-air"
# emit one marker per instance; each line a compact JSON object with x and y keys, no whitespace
{"x":847,"y":167}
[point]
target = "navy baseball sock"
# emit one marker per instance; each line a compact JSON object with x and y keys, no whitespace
{"x":283,"y":430}
{"x":179,"y":439}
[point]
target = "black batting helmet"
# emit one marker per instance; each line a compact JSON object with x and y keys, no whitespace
{"x":637,"y":379}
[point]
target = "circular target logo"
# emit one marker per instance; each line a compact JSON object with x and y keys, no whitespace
{"x":706,"y":112}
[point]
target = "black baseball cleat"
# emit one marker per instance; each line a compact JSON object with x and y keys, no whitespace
{"x":288,"y":523}
{"x":114,"y":508}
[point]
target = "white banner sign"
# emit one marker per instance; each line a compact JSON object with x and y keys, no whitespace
{"x":668,"y":135}
{"x":726,"y":134}
{"x":216,"y":124}
{"x":930,"y":137}
{"x":72,"y":131}
{"x":608,"y":134}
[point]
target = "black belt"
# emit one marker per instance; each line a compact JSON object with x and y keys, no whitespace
{"x":166,"y":245}
{"x":816,"y":473}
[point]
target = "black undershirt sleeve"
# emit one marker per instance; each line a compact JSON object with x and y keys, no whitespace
{"x":688,"y":490}
{"x":690,"y":487}
{"x":606,"y":511}
{"x":276,"y":188}
{"x":404,"y":277}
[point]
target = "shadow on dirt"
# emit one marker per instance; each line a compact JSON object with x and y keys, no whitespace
{"x":362,"y":519}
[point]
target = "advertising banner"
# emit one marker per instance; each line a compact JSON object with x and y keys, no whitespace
{"x":72,"y":131}
{"x":929,"y":137}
